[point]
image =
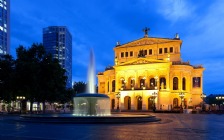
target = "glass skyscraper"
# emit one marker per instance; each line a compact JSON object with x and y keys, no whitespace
{"x":57,"y":40}
{"x":4,"y":27}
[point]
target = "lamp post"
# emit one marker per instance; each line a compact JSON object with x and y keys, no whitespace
{"x":203,"y":96}
{"x":181,"y":95}
{"x":154,"y":95}
{"x":20,"y":99}
{"x":118,"y":95}
{"x":220,"y":100}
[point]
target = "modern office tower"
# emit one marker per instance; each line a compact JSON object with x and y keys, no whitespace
{"x":4,"y":27}
{"x":57,"y":40}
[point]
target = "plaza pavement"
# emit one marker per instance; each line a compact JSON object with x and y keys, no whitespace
{"x":172,"y":127}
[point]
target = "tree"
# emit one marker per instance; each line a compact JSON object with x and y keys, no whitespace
{"x":79,"y":87}
{"x":40,"y":78}
{"x":6,"y":78}
{"x":53,"y":85}
{"x":28,"y":71}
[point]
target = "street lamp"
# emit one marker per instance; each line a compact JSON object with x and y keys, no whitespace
{"x":181,"y":95}
{"x":20,"y":99}
{"x":203,"y":96}
{"x":220,"y":100}
{"x":154,"y":95}
{"x":118,"y":95}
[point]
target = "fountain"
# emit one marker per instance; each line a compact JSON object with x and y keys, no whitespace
{"x":91,"y":103}
{"x":90,"y":107}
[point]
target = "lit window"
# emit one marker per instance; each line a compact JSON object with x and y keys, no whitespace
{"x":145,"y":52}
{"x":160,"y":50}
{"x":1,"y":5}
{"x":171,"y":49}
{"x":165,"y":50}
{"x":196,"y":82}
{"x":122,"y":54}
{"x":126,"y":54}
{"x":131,"y":53}
{"x":150,"y":51}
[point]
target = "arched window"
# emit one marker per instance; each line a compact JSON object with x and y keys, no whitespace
{"x":175,"y":102}
{"x":175,"y":83}
{"x":132,"y":82}
{"x":162,"y":83}
{"x":127,"y":102}
{"x":113,"y":86}
{"x":150,"y":103}
{"x":123,"y":86}
{"x":139,"y":103}
{"x":152,"y":83}
{"x":142,"y":83}
{"x":183,"y":84}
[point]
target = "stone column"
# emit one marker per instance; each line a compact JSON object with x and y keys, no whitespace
{"x":109,"y":81}
{"x":136,"y":79}
{"x":168,"y":82}
{"x":117,"y":80}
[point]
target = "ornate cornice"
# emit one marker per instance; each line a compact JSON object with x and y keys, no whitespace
{"x":143,"y":61}
{"x":148,"y":41}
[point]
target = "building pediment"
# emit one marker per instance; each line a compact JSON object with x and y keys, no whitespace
{"x":149,"y":41}
{"x":139,"y":61}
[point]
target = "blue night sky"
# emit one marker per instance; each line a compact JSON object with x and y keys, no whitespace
{"x":99,"y":24}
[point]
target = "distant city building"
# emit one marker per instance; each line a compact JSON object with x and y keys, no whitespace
{"x":57,"y":40}
{"x":4,"y":27}
{"x":149,"y":73}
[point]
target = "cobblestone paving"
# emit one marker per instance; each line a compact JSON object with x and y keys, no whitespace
{"x":172,"y":127}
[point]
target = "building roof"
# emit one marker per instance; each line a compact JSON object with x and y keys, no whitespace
{"x":148,"y":41}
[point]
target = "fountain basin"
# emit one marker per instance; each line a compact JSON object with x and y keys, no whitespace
{"x":71,"y":119}
{"x":88,"y":104}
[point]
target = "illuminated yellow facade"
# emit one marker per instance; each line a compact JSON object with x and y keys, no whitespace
{"x":149,"y":72}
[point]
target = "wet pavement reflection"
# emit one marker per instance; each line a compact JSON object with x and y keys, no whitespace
{"x":172,"y":126}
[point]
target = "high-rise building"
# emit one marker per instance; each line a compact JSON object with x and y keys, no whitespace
{"x":57,"y":40}
{"x":4,"y":27}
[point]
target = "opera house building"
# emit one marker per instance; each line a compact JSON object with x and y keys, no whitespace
{"x":148,"y":73}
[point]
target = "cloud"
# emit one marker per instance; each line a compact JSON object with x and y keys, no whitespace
{"x":175,"y":10}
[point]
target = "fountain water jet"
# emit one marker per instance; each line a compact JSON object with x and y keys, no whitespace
{"x":91,"y":103}
{"x":91,"y":74}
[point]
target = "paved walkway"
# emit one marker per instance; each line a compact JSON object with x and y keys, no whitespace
{"x":172,"y":127}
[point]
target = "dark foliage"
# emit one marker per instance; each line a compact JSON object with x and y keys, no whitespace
{"x":35,"y":75}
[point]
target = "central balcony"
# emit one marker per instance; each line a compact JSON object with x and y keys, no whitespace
{"x":142,"y":88}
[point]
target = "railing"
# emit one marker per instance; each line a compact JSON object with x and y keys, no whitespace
{"x":109,"y":68}
{"x":198,"y":67}
{"x":186,"y":63}
{"x":143,"y":88}
{"x":100,"y":73}
{"x":180,"y":63}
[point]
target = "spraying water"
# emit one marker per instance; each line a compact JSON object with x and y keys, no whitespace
{"x":91,"y":74}
{"x":90,"y":104}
